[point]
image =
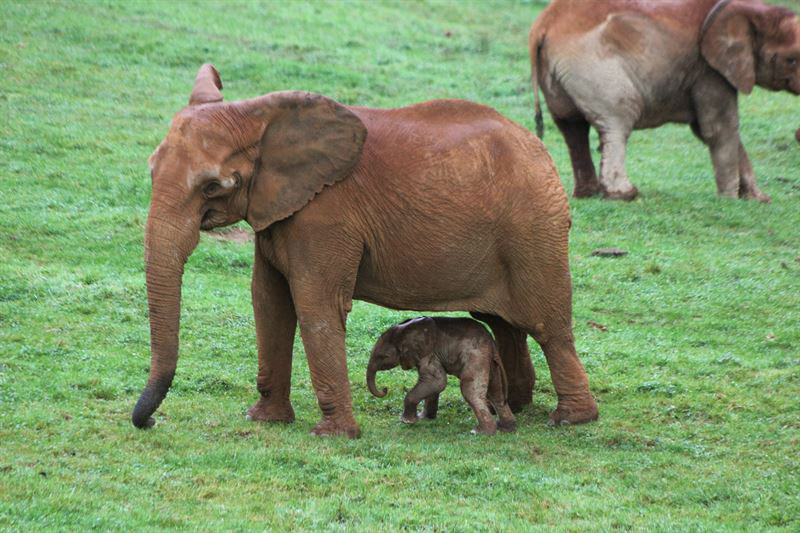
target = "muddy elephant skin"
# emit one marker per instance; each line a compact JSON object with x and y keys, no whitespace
{"x":439,"y":346}
{"x":622,"y":65}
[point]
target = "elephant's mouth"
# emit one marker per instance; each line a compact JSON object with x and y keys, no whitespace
{"x":211,"y":219}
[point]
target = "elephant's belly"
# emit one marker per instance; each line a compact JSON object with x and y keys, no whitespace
{"x":446,"y":285}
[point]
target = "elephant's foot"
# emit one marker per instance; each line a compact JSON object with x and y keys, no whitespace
{"x":409,"y":419}
{"x":507,"y":426}
{"x":625,"y":194}
{"x":271,"y":411}
{"x":337,"y":427}
{"x":578,"y":411}
{"x":587,"y":189}
{"x":485,"y":429}
{"x":755,"y":195}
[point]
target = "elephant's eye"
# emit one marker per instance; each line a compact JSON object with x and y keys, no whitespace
{"x":211,"y":188}
{"x":791,"y":61}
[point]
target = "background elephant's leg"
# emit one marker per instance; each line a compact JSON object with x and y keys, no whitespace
{"x":431,"y":406}
{"x":575,"y":402}
{"x":513,"y":347}
{"x":576,"y":135}
{"x":717,"y":124}
{"x":725,"y":156}
{"x":474,"y":391}
{"x":275,"y":322}
{"x":613,"y":177}
{"x":747,"y":178}
{"x":432,"y":380}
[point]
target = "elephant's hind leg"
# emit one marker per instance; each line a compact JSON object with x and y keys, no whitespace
{"x":497,"y":399}
{"x":613,"y":177}
{"x":576,"y":135}
{"x":275,"y":322}
{"x":474,"y":389}
{"x":513,"y":347}
{"x":575,"y":403}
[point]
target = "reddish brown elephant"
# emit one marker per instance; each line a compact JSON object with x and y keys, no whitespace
{"x":621,"y":65}
{"x":444,"y":205}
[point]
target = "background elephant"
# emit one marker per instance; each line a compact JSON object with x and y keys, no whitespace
{"x":621,"y":65}
{"x":436,"y":347}
{"x":444,"y":205}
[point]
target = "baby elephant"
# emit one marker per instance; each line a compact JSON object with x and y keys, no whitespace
{"x":437,"y":347}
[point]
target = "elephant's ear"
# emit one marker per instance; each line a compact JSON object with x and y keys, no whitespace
{"x":309,"y":142}
{"x":207,"y":86}
{"x":732,"y":31}
{"x":726,"y":42}
{"x":416,"y":343}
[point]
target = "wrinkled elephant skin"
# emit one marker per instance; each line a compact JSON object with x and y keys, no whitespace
{"x":444,"y":205}
{"x":436,"y":347}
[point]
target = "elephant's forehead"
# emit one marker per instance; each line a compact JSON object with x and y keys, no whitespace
{"x":182,"y":160}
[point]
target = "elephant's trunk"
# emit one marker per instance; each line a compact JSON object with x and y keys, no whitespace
{"x":167,"y":246}
{"x":372,"y":369}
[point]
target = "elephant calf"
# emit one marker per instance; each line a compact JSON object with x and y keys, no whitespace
{"x":437,"y":347}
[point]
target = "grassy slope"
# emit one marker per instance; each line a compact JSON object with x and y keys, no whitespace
{"x":698,"y":375}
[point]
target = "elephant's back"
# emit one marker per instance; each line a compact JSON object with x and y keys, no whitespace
{"x":563,"y":19}
{"x":455,"y":143}
{"x":432,"y":126}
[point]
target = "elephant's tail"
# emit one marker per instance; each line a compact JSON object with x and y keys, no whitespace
{"x":497,"y":371}
{"x":535,"y":41}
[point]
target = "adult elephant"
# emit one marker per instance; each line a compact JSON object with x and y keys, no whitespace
{"x":444,"y":205}
{"x":621,"y":65}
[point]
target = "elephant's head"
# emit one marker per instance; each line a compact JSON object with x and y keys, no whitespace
{"x":402,"y":344}
{"x":260,"y":160}
{"x":751,"y":43}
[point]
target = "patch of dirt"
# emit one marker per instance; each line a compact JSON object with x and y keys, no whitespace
{"x":239,"y":235}
{"x":609,"y":252}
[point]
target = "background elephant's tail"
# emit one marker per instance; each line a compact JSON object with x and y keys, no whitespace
{"x":535,"y":41}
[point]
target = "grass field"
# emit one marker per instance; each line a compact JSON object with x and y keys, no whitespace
{"x":696,"y":367}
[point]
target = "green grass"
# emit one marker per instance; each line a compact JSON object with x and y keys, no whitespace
{"x":697,"y":375}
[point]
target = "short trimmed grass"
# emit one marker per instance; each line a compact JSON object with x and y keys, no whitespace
{"x":697,"y":375}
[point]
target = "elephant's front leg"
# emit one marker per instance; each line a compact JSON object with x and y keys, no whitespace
{"x":747,"y":179}
{"x":431,"y":407}
{"x":718,"y":127}
{"x":275,"y":322}
{"x":322,"y":327}
{"x":432,"y":381}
